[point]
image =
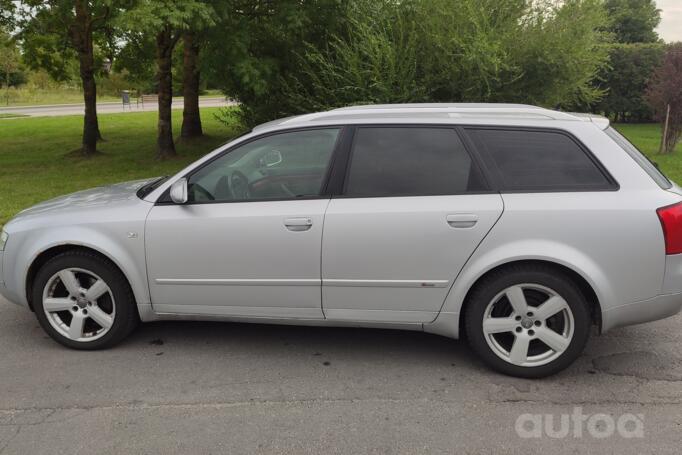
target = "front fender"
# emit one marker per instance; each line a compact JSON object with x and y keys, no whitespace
{"x":125,"y":248}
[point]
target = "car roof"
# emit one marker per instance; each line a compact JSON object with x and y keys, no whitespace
{"x":454,"y":113}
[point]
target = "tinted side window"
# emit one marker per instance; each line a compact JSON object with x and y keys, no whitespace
{"x":538,"y":160}
{"x":394,"y":161}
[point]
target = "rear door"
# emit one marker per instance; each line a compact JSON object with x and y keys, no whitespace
{"x":414,"y":207}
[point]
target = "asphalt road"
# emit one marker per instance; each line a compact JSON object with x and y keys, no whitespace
{"x":104,"y":108}
{"x":194,"y":387}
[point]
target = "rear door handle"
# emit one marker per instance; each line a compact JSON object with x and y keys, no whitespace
{"x":298,"y":224}
{"x":462,"y":220}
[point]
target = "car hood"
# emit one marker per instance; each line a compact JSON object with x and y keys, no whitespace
{"x":95,"y":198}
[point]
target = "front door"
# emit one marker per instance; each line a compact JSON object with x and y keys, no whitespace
{"x":414,"y":208}
{"x":248,"y":242}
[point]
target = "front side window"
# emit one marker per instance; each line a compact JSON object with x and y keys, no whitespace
{"x":410,"y":161}
{"x":538,"y":160}
{"x":282,"y":166}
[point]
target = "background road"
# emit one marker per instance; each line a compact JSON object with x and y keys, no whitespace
{"x":104,"y":108}
{"x":229,"y":388}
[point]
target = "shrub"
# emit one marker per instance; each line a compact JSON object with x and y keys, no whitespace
{"x":533,"y":51}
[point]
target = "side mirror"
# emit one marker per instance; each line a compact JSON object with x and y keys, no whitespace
{"x":178,"y":191}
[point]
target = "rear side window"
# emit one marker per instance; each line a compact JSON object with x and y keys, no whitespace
{"x":538,"y":161}
{"x":410,"y":161}
{"x":641,"y":159}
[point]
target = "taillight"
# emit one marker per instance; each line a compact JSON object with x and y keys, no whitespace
{"x":671,"y":221}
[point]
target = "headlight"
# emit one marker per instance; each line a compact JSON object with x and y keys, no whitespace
{"x":3,"y":240}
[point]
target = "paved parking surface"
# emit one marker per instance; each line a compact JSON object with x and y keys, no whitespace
{"x":231,"y":388}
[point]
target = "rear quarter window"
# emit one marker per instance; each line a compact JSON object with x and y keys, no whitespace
{"x":649,"y":166}
{"x":531,"y":160}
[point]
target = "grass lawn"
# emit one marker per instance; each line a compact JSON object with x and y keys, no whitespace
{"x":36,"y":163}
{"x":23,"y":96}
{"x":2,"y":115}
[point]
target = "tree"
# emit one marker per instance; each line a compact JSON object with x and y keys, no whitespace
{"x":53,"y":31}
{"x":10,"y":62}
{"x":194,"y":40}
{"x":191,"y":116}
{"x":167,"y":20}
{"x":253,"y":52}
{"x":665,"y":92}
{"x":7,"y":13}
{"x":633,"y":21}
{"x":136,"y":57}
{"x":625,"y":81}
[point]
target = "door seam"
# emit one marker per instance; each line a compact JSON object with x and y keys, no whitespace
{"x":454,"y":281}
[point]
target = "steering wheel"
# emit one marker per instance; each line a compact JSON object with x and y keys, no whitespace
{"x":240,"y":185}
{"x":200,"y":193}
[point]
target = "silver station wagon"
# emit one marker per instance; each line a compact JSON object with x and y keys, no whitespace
{"x":518,"y":227}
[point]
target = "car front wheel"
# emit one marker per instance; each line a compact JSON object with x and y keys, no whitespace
{"x":527,"y":321}
{"x":83,"y":301}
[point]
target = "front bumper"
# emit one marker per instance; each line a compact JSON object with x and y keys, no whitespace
{"x":3,"y":289}
{"x":659,"y":307}
{"x":4,"y":292}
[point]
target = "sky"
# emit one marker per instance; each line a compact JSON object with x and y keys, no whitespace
{"x":671,"y":20}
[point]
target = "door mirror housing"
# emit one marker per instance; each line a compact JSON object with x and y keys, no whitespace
{"x":178,"y":191}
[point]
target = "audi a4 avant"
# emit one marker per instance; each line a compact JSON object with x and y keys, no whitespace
{"x":518,"y":227}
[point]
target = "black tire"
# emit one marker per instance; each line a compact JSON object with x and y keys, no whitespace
{"x":126,"y":316}
{"x":543,"y":275}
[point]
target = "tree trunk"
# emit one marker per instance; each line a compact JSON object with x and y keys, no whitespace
{"x":191,"y":118}
{"x":164,"y":53}
{"x":81,"y":36}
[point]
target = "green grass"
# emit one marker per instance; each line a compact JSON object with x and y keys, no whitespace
{"x":24,"y":96}
{"x":2,"y":115}
{"x":37,"y":163}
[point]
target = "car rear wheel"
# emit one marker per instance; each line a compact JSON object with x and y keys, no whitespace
{"x":528,"y":321}
{"x":83,"y":301}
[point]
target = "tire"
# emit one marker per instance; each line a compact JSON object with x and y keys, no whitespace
{"x":500,"y":335}
{"x":80,"y":292}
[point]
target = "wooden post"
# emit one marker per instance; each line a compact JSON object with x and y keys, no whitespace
{"x":663,"y":148}
{"x":7,"y":89}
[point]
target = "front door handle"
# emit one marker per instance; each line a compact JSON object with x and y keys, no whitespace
{"x":462,"y":220}
{"x":298,"y":224}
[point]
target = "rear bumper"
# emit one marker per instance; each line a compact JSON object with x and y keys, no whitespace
{"x":659,"y":307}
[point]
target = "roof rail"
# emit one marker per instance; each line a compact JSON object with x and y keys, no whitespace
{"x":435,"y":110}
{"x":439,"y":110}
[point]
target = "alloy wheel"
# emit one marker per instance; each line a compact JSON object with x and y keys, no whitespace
{"x":528,"y":325}
{"x":79,"y":304}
